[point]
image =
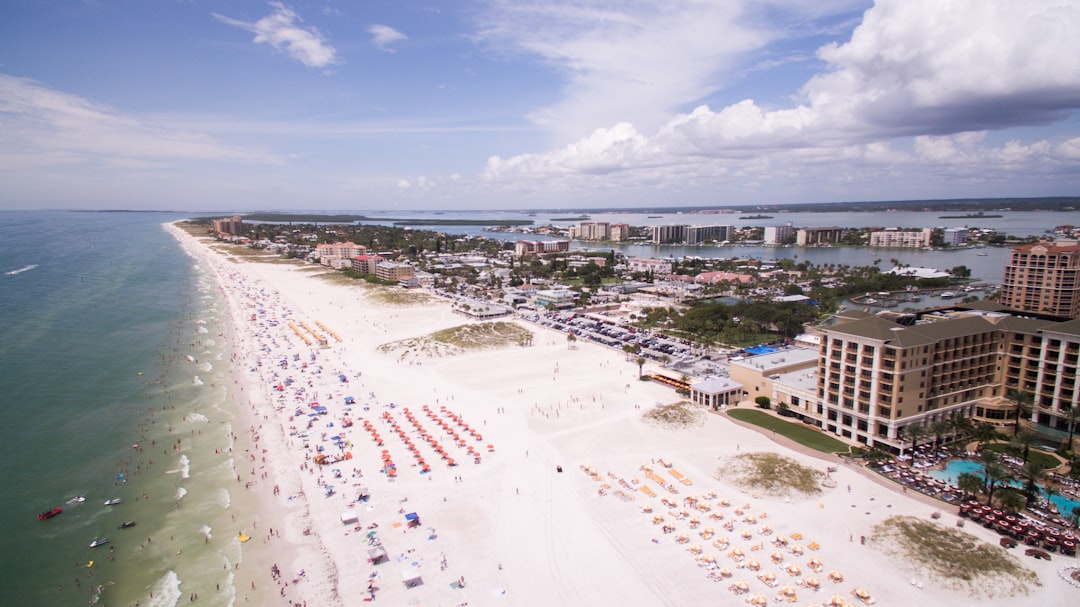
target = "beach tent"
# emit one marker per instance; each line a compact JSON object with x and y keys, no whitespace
{"x":411,"y":578}
{"x":348,"y":518}
{"x":413,"y":519}
{"x":377,"y":555}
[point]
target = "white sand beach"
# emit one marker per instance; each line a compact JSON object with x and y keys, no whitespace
{"x":503,"y":520}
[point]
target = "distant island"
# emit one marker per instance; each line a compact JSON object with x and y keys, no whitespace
{"x":460,"y":222}
{"x":312,"y":218}
{"x":979,"y":215}
{"x":757,"y":217}
{"x":575,"y":218}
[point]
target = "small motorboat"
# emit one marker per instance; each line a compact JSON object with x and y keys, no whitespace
{"x":126,"y":524}
{"x":50,"y":513}
{"x":100,"y":541}
{"x":78,"y":499}
{"x":114,"y":501}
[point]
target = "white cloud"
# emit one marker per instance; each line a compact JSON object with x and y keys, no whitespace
{"x":925,"y":66}
{"x":622,"y":61}
{"x":382,"y":36}
{"x":42,"y":127}
{"x":944,"y":73}
{"x":282,"y":29}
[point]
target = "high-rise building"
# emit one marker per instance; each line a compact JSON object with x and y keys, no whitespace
{"x":901,"y":238}
{"x":876,"y":377}
{"x":1043,"y":277}
{"x":589,"y":230}
{"x":700,"y":234}
{"x":811,"y":236}
{"x":668,"y":233}
{"x":776,"y":235}
{"x":619,"y":232}
{"x":229,"y":225}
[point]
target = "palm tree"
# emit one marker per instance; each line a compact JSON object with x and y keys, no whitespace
{"x":1012,"y":500}
{"x":939,"y":428}
{"x":1031,"y":473}
{"x":1023,"y":402}
{"x":996,"y":474}
{"x":985,"y":433}
{"x":969,"y":483}
{"x":1023,"y":441}
{"x":640,"y":365}
{"x":571,"y":339}
{"x":914,"y":432}
{"x":961,"y":425}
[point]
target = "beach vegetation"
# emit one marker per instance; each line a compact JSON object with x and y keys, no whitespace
{"x":461,"y":339}
{"x":800,"y":433}
{"x":770,"y":474}
{"x":1040,"y":457}
{"x":682,"y":414}
{"x":957,"y":559}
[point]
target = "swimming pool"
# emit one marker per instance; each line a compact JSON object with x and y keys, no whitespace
{"x":956,"y":467}
{"x":761,"y":350}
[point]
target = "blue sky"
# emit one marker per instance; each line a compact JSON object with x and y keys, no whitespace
{"x":503,"y":104}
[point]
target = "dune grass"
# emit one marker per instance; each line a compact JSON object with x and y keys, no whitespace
{"x":770,"y":474}
{"x":958,"y":559}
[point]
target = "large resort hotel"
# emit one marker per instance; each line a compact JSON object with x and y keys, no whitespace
{"x":872,"y":376}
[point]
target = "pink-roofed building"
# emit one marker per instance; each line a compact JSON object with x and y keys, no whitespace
{"x":365,"y":264}
{"x":709,"y":278}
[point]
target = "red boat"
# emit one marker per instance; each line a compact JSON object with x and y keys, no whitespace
{"x":50,"y":513}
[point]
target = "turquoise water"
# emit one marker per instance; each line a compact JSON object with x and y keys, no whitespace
{"x":956,"y":467}
{"x":99,"y":313}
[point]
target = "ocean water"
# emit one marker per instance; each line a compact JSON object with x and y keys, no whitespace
{"x":112,"y":338}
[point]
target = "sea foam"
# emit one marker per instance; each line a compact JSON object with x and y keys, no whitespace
{"x":184,"y":469}
{"x":166,"y":591}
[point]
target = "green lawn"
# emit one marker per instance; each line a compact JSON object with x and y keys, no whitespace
{"x":800,"y":433}
{"x":1042,"y":458}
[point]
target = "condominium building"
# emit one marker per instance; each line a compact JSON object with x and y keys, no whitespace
{"x":700,"y":234}
{"x":330,"y":252}
{"x":389,"y":270}
{"x":658,"y":267}
{"x":668,"y":233}
{"x":806,"y":237}
{"x":954,"y":236}
{"x":901,"y":238}
{"x":619,"y":232}
{"x":540,"y":247}
{"x":776,"y":235}
{"x":365,"y":264}
{"x":1043,"y":277}
{"x":593,"y":230}
{"x":229,"y":225}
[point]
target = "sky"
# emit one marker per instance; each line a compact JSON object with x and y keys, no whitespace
{"x":346,"y":105}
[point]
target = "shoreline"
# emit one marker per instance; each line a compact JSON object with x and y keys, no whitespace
{"x":512,"y":527}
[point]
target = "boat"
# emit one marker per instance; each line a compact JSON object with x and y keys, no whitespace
{"x":78,"y":499}
{"x":114,"y":501}
{"x":948,"y":294}
{"x":100,"y":541}
{"x":981,"y":254}
{"x":50,"y":513}
{"x":126,"y":524}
